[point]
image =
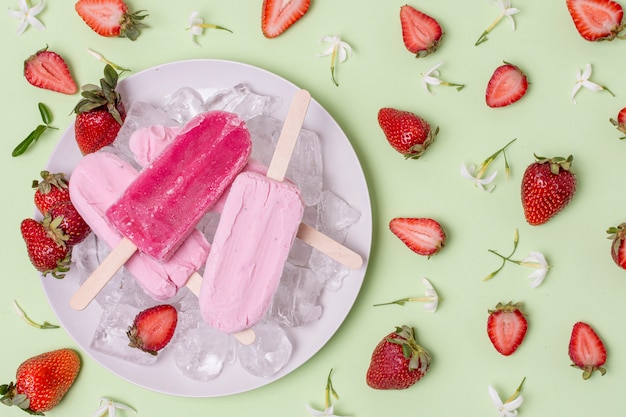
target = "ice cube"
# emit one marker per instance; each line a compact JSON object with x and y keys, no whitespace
{"x":296,"y":301}
{"x":269,"y":353}
{"x":328,"y":271}
{"x":241,"y":100}
{"x":110,"y":336}
{"x":202,"y":352}
{"x":335,"y":213}
{"x":184,"y":104}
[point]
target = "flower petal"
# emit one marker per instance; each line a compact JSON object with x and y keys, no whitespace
{"x":495,"y":398}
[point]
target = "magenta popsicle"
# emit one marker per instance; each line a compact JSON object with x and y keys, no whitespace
{"x":169,"y":197}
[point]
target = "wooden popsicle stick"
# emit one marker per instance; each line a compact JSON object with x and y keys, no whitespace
{"x":289,"y":135}
{"x":245,"y":337}
{"x":329,"y":247}
{"x":102,"y":275}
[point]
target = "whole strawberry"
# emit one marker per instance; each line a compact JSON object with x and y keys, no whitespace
{"x":71,"y":222}
{"x":398,"y":361}
{"x":618,"y":246}
{"x":100,"y":114}
{"x":620,"y":122}
{"x":52,"y":189}
{"x":586,"y":350}
{"x":548,"y":186}
{"x":42,"y":381}
{"x":406,"y":132}
{"x":153,"y":328}
{"x":46,"y":248}
{"x":111,"y":18}
{"x":506,"y":327}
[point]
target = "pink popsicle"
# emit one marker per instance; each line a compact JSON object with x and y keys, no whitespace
{"x":169,"y":197}
{"x":97,"y":181}
{"x":255,"y":233}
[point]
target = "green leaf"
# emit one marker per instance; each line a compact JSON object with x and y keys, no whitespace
{"x":110,"y":75}
{"x":30,"y":139}
{"x":46,"y":116}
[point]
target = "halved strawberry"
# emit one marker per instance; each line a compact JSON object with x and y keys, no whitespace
{"x":506,"y":327}
{"x":507,"y":85}
{"x":278,"y":15}
{"x":420,"y":32}
{"x":423,"y":236}
{"x":620,"y":122}
{"x":111,"y":18}
{"x":586,"y":350}
{"x":597,"y":20}
{"x":153,"y":328}
{"x":48,"y":70}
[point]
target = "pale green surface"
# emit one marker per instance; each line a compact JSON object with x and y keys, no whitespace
{"x":583,"y":284}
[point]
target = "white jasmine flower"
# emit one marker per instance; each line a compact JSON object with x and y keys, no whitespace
{"x":505,"y":11}
{"x":27,"y":14}
{"x":506,"y":409}
{"x":22,"y":314}
{"x":431,"y":298}
{"x":431,"y":294}
{"x":101,"y":58}
{"x":582,"y":81}
{"x":328,"y":412}
{"x":338,"y":51}
{"x":538,"y":261}
{"x":432,"y":78}
{"x":109,"y":407}
{"x":469,"y":172}
{"x":197,"y":26}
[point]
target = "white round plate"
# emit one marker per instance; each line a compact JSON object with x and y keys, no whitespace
{"x":342,"y":174}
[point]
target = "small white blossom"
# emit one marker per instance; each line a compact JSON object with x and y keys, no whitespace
{"x":432,"y":295}
{"x":26,"y":15}
{"x":432,"y":78}
{"x":538,"y":261}
{"x":197,"y":26}
{"x":505,"y":11}
{"x":338,"y":51}
{"x":582,"y":81}
{"x":508,"y":408}
{"x":109,"y":408}
{"x":328,"y":412}
{"x":469,"y":172}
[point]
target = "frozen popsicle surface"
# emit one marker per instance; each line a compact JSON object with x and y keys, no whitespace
{"x":162,"y":206}
{"x":96,"y":182}
{"x":255,"y":233}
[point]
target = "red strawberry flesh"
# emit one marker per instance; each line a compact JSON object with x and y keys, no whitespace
{"x":596,"y":20}
{"x":423,"y":236}
{"x":507,"y":85}
{"x":48,"y":70}
{"x":420,"y":32}
{"x":153,"y":328}
{"x":506,"y":327}
{"x":279,"y":15}
{"x":586,"y":350}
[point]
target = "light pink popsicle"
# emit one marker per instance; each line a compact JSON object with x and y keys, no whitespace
{"x":170,"y":195}
{"x":97,"y":181}
{"x":253,"y":238}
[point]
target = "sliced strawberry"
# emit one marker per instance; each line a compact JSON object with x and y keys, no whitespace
{"x":506,"y":327}
{"x":278,"y":15}
{"x":153,"y":328}
{"x":620,"y":122}
{"x":596,"y":20}
{"x":111,"y":18}
{"x":586,"y":350}
{"x":423,"y":236}
{"x":507,"y":85}
{"x":48,"y":70}
{"x":618,"y":245}
{"x":420,"y":32}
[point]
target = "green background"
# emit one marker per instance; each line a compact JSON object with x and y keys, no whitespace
{"x":583,"y":283}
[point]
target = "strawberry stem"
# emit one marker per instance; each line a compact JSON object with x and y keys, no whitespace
{"x":505,"y":258}
{"x":20,"y":312}
{"x":483,"y":36}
